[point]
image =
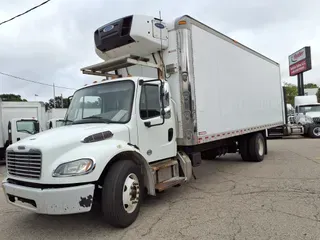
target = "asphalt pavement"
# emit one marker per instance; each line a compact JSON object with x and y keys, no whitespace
{"x":278,"y":198}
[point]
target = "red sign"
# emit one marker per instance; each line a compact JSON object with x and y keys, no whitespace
{"x":298,"y":67}
{"x":300,"y":61}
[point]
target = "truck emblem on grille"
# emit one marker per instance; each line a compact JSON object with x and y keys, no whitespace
{"x":21,"y":147}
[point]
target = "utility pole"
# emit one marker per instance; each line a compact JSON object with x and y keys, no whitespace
{"x":54,"y":96}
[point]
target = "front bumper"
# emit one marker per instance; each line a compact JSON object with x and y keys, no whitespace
{"x":54,"y":201}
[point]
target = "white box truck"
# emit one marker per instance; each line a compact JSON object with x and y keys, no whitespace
{"x":55,"y":117}
{"x":19,"y":120}
{"x":147,"y":133}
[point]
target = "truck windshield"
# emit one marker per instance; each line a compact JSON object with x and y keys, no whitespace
{"x":27,"y":126}
{"x":309,"y":108}
{"x":110,"y":102}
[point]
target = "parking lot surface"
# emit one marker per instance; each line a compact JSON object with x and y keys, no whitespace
{"x":278,"y":198}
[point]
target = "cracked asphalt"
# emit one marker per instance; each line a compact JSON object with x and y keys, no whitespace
{"x":278,"y":198}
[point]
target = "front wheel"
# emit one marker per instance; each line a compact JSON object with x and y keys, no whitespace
{"x":314,"y":131}
{"x":121,"y":196}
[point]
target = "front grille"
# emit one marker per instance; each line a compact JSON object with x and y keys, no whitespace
{"x":316,"y":120}
{"x":24,"y":164}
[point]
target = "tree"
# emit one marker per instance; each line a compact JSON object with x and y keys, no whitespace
{"x":310,"y":85}
{"x":50,"y":104}
{"x":291,"y":92}
{"x":12,"y":98}
{"x":318,"y":95}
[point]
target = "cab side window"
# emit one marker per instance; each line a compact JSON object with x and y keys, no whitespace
{"x":150,"y":101}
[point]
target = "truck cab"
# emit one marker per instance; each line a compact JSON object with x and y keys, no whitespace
{"x":20,"y":128}
{"x":55,"y":122}
{"x":14,"y":128}
{"x":307,"y":114}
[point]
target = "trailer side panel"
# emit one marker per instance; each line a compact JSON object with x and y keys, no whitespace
{"x":235,"y":90}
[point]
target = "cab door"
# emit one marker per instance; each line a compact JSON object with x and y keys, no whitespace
{"x":22,"y":128}
{"x":155,"y":122}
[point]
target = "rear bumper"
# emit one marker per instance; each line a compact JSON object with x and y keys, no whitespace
{"x":56,"y":201}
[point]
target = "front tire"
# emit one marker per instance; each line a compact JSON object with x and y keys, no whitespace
{"x":121,"y":193}
{"x":314,"y":131}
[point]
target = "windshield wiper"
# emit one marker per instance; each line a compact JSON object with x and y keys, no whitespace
{"x":67,"y":120}
{"x":26,"y":131}
{"x":93,"y":116}
{"x":92,"y":119}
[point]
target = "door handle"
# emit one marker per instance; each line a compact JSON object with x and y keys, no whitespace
{"x":170,"y":134}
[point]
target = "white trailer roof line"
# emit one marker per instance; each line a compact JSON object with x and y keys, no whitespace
{"x":189,"y":20}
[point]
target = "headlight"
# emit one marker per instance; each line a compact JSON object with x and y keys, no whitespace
{"x":74,"y":168}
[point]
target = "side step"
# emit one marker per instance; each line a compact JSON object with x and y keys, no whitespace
{"x":169,"y":183}
{"x":163,"y":164}
{"x":166,"y":174}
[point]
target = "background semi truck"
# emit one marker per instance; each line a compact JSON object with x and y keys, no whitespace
{"x":192,"y":97}
{"x":303,"y":119}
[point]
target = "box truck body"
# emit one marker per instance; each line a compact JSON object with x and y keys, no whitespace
{"x":223,"y":85}
{"x":56,"y":113}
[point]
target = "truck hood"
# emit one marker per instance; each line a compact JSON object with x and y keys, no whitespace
{"x":70,"y":136}
{"x":313,"y":114}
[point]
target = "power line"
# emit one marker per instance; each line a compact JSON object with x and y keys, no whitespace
{"x":19,"y":15}
{"x":27,"y":80}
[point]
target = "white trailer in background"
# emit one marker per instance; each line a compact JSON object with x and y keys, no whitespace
{"x":193,"y":97}
{"x":55,"y":117}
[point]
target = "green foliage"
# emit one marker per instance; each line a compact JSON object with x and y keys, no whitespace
{"x":310,"y":85}
{"x":291,"y":92}
{"x":12,"y":98}
{"x":65,"y":101}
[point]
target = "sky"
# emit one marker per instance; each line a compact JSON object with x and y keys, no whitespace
{"x":52,"y":43}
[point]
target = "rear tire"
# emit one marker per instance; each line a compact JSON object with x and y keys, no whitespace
{"x":257,"y":147}
{"x":122,"y":193}
{"x":244,"y":149}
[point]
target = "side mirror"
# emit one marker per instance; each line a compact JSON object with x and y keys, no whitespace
{"x":37,"y":126}
{"x":164,"y":91}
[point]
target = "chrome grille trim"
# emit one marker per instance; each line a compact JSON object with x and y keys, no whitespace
{"x":316,"y":119}
{"x":24,"y":164}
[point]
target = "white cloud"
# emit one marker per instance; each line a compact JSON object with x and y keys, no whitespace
{"x":53,"y":42}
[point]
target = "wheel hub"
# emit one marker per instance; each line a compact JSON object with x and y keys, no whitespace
{"x":131,"y":193}
{"x":260,"y":147}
